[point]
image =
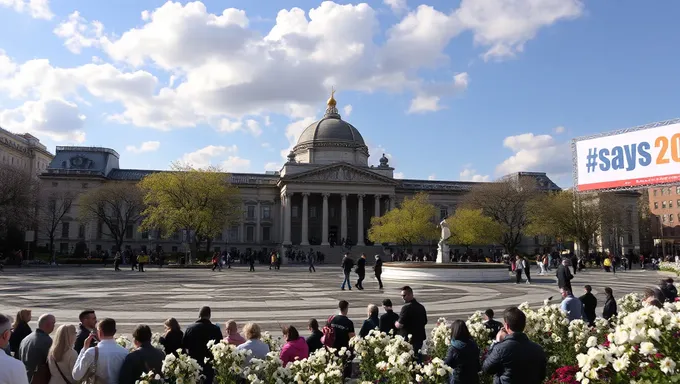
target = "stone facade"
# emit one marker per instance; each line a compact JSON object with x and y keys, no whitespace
{"x":23,"y":151}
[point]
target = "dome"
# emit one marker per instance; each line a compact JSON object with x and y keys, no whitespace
{"x":331,"y":128}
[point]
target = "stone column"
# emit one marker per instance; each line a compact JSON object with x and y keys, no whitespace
{"x":242,"y":230}
{"x":324,"y":225}
{"x":286,"y":218}
{"x":343,"y":217}
{"x":393,"y":202}
{"x":281,"y":219}
{"x":377,"y":206}
{"x":360,"y":221}
{"x":305,"y":216}
{"x":258,"y":230}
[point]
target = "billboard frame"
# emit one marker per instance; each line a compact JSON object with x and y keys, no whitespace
{"x":574,"y":155}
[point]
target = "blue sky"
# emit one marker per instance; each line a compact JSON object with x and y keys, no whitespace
{"x":449,"y":90}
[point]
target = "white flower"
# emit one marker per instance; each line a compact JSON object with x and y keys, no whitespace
{"x":647,"y":348}
{"x":667,"y":366}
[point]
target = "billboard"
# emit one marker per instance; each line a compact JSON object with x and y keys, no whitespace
{"x":631,"y":158}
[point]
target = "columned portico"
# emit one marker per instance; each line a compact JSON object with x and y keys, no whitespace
{"x":376,"y":206}
{"x":286,"y":199}
{"x":360,"y":219}
{"x":343,"y":216}
{"x":305,"y":219}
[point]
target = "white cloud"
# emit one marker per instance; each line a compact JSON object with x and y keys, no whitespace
{"x":505,"y":26}
{"x":347,"y":110}
{"x":57,"y":119}
{"x":204,"y":157}
{"x":236,"y":164}
{"x":147,"y":146}
{"x":273,"y":166}
{"x":432,"y":177}
{"x":397,"y":6}
{"x":293,"y":132}
{"x":399,"y":175}
{"x":266,"y":145}
{"x":39,"y":9}
{"x":254,"y":127}
{"x":537,"y":153}
{"x":559,"y":130}
{"x":423,"y":103}
{"x":376,"y":152}
{"x":469,"y":174}
{"x":78,"y":33}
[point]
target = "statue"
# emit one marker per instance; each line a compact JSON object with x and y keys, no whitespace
{"x":443,"y":250}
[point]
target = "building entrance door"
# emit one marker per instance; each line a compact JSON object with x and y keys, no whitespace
{"x":333,"y":234}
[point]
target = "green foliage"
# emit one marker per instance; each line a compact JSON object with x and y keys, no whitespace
{"x":410,"y":223}
{"x":471,"y":226}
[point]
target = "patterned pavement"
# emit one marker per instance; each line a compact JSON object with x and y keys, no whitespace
{"x":291,"y":295}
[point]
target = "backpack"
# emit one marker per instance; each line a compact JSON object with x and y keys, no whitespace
{"x":328,"y":338}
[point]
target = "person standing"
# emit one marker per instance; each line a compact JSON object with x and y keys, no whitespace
{"x":35,"y":347}
{"x":377,"y":269}
{"x":344,"y":331}
{"x":62,"y":357}
{"x":571,"y":305}
{"x":116,"y":262}
{"x":347,"y":264}
{"x":108,"y":355}
{"x":251,"y":261}
{"x":88,"y":326}
{"x":172,"y":338}
{"x":564,"y":276}
{"x":143,"y":359}
{"x":314,"y":339}
{"x":372,"y":321}
{"x":526,"y":265}
{"x":13,"y":371}
{"x":20,"y":329}
{"x":513,"y":358}
{"x":272,"y":261}
{"x":196,"y":339}
{"x":412,"y":321}
{"x":310,"y":261}
{"x":463,"y":355}
{"x":589,"y":304}
{"x":388,"y":319}
{"x":574,"y":262}
{"x":519,"y":265}
{"x":609,"y":310}
{"x":492,"y":325}
{"x":361,"y":272}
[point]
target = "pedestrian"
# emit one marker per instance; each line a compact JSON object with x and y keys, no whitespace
{"x":233,"y":337}
{"x":412,"y":321}
{"x":272,"y":261}
{"x":172,"y":338}
{"x":258,"y":349}
{"x":361,"y":272}
{"x":216,"y":262}
{"x":35,"y":347}
{"x":574,"y":262}
{"x":388,"y":319}
{"x":377,"y":269}
{"x":526,"y":265}
{"x":251,"y":261}
{"x":295,"y":348}
{"x":143,"y":359}
{"x":196,"y":338}
{"x":310,"y":261}
{"x":571,"y":305}
{"x":87,"y":327}
{"x":13,"y":371}
{"x":564,"y":276}
{"x":541,"y":266}
{"x":116,"y":262}
{"x":462,"y":355}
{"x":492,"y":325}
{"x":108,"y":354}
{"x":513,"y":358}
{"x":347,"y":264}
{"x":343,"y":329}
{"x":519,"y":265}
{"x":589,"y":304}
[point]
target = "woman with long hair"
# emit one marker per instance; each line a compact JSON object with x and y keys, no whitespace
{"x":172,"y":339}
{"x":62,"y":357}
{"x":20,"y":329}
{"x":295,"y":347}
{"x":463,"y":355}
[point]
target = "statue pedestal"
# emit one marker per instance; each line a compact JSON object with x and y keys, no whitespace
{"x":443,"y":253}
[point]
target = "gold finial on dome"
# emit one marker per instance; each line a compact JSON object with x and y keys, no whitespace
{"x":331,"y":102}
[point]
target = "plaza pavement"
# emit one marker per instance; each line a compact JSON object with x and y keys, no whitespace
{"x":271,"y":298}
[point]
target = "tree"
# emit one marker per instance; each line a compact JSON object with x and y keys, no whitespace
{"x":199,"y":200}
{"x":114,"y":205}
{"x":470,"y":226}
{"x":51,"y":213}
{"x":410,"y":223}
{"x":507,"y":203}
{"x":18,"y":198}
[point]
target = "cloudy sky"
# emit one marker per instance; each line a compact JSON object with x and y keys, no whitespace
{"x":451,"y":90}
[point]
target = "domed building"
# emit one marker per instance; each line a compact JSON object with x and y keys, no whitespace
{"x":326,"y":193}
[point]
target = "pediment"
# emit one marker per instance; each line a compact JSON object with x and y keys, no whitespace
{"x":341,"y":173}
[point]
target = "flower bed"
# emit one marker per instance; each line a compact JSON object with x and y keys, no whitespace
{"x":670,"y":267}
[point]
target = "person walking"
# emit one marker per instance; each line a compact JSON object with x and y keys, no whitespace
{"x":106,"y":358}
{"x":377,"y":269}
{"x":513,"y":358}
{"x":116,"y":262}
{"x":361,"y":272}
{"x":216,"y":262}
{"x":589,"y":304}
{"x":412,"y":321}
{"x":564,"y":276}
{"x":310,"y":261}
{"x":13,"y":371}
{"x":143,"y":359}
{"x":196,"y":339}
{"x":35,"y":347}
{"x":462,"y":355}
{"x":62,"y":357}
{"x":347,"y":264}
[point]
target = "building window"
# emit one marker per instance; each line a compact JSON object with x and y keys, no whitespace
{"x":665,"y":218}
{"x":312,"y":212}
{"x":656,"y":205}
{"x":670,"y":218}
{"x":173,"y":248}
{"x":443,"y":213}
{"x":294,"y":211}
{"x":145,"y":235}
{"x":217,"y":249}
{"x":630,"y":238}
{"x":81,"y":231}
{"x":250,"y":233}
{"x":266,"y":212}
{"x":266,"y":233}
{"x":663,"y":204}
{"x":677,"y":190}
{"x":251,"y":212}
{"x":218,"y":237}
{"x":655,"y":192}
{"x":128,"y":231}
{"x":233,"y":234}
{"x":65,"y":230}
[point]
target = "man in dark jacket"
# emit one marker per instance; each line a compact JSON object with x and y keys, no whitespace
{"x":361,"y":272}
{"x":196,"y":338}
{"x":388,"y":318}
{"x":314,"y":340}
{"x":492,"y":325}
{"x":668,"y":289}
{"x":377,"y":269}
{"x":347,"y":264}
{"x":589,"y":304}
{"x":87,"y":326}
{"x":412,"y":320}
{"x":513,"y":358}
{"x":144,"y":359}
{"x":564,"y":276}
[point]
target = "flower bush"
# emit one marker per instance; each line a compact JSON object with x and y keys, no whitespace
{"x":324,"y":366}
{"x":227,"y":361}
{"x":564,"y":375}
{"x":440,"y":339}
{"x":181,"y":369}
{"x":435,"y":372}
{"x":627,"y":304}
{"x":274,"y":343}
{"x":670,"y":267}
{"x":371,"y":350}
{"x":267,"y":370}
{"x":150,"y":378}
{"x":125,"y":342}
